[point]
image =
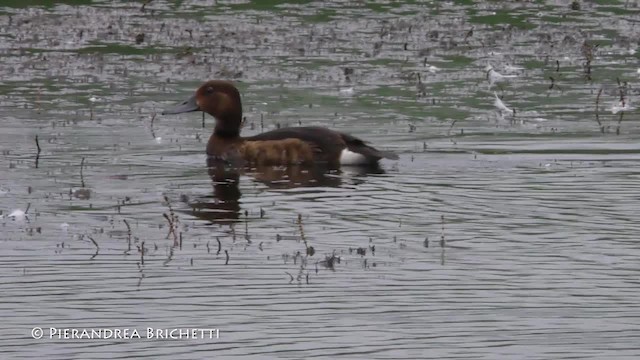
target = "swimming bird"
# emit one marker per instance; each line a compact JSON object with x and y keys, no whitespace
{"x":285,"y":146}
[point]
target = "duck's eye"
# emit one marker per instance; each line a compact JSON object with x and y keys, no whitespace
{"x":210,"y":90}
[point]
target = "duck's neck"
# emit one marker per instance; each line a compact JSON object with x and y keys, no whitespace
{"x":226,"y":133}
{"x":228,"y":126}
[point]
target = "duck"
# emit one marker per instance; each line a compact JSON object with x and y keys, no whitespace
{"x":281,"y":147}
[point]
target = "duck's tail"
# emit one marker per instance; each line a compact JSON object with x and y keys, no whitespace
{"x":358,"y":152}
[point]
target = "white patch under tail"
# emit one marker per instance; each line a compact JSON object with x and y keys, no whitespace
{"x":348,"y":157}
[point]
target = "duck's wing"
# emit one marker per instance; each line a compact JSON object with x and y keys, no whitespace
{"x":322,"y":140}
{"x":326,"y":142}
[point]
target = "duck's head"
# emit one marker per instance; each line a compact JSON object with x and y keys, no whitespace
{"x":219,"y":99}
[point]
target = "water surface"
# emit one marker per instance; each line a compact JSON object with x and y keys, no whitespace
{"x":495,"y":236}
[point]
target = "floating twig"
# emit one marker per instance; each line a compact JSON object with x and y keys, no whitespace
{"x":81,"y":172}
{"x":261,"y":122}
{"x":172,"y":219}
{"x":442,"y":241}
{"x":219,"y":245}
{"x":309,"y":249}
{"x":468,"y":34}
{"x":153,"y":132}
{"x":450,"y":127}
{"x":96,"y":245}
{"x":128,"y":235}
{"x":171,"y":229}
{"x":587,"y":51}
{"x":622,"y":90}
{"x":226,"y":262}
{"x":169,"y":257}
{"x":39,"y":150}
{"x":619,"y":121}
{"x":246,"y":227}
{"x":598,"y":110}
{"x":141,"y":250}
{"x":145,"y":3}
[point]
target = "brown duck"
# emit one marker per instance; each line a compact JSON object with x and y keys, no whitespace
{"x":286,"y":146}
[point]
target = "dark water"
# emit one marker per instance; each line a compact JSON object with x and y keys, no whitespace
{"x":529,"y":219}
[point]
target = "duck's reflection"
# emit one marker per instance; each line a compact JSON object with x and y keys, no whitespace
{"x":224,"y":204}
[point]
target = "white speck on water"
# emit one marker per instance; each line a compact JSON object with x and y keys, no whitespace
{"x":346,"y":91}
{"x":500,"y":105}
{"x":618,"y":106}
{"x":17,"y":215}
{"x":432,"y":69}
{"x":512,"y":68}
{"x":158,"y":139}
{"x":495,"y":77}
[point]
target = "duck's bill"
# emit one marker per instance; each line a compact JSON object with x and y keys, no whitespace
{"x":186,"y":106}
